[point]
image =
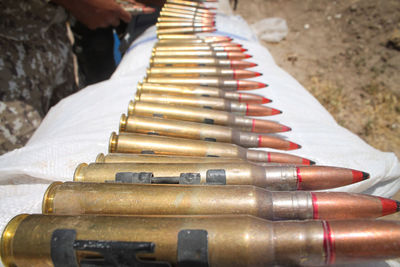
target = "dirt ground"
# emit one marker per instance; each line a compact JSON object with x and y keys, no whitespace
{"x":347,"y":54}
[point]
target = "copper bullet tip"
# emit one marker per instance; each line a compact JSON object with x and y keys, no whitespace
{"x":249,"y":85}
{"x":293,"y":146}
{"x":277,"y":143}
{"x":266,"y":100}
{"x":286,"y":128}
{"x":308,"y":162}
{"x":266,"y":126}
{"x":275,"y":111}
{"x":339,"y":205}
{"x":389,"y":206}
{"x":259,"y":110}
{"x":258,"y":74}
{"x":359,"y":176}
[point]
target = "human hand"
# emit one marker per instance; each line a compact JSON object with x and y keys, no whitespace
{"x":96,"y":13}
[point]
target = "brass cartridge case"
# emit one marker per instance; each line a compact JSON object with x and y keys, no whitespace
{"x":236,"y":173}
{"x":198,"y":72}
{"x":185,"y":30}
{"x":174,"y":19}
{"x":198,"y":91}
{"x":201,"y":47}
{"x":74,"y":198}
{"x":192,"y":38}
{"x":174,"y":13}
{"x":230,"y":240}
{"x":199,"y":62}
{"x":197,"y":131}
{"x":196,"y":53}
{"x":183,"y":24}
{"x":225,"y":84}
{"x":150,"y":144}
{"x":195,"y":13}
{"x":195,"y":101}
{"x":272,"y":177}
{"x":146,"y":158}
{"x":203,"y":115}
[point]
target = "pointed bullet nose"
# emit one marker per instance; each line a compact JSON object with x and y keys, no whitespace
{"x":259,"y":110}
{"x":389,"y":206}
{"x":293,"y":146}
{"x":275,"y":111}
{"x":258,"y":74}
{"x":307,"y":162}
{"x":359,"y":176}
{"x":286,"y":129}
{"x":266,"y":100}
{"x":243,"y":49}
{"x":247,"y":56}
{"x":262,"y":85}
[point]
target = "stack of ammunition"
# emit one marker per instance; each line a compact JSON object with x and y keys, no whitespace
{"x":181,"y":187}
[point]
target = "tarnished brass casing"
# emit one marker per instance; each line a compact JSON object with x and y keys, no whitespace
{"x":191,"y":72}
{"x":194,"y":101}
{"x":139,"y":143}
{"x":276,"y":178}
{"x":73,"y":198}
{"x":189,"y":62}
{"x":231,"y":240}
{"x":202,"y":115}
{"x":187,"y":130}
{"x":184,"y":30}
{"x":203,"y":91}
{"x":190,"y":114}
{"x":147,"y":158}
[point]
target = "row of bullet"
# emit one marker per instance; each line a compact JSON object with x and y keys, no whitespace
{"x":181,"y":185}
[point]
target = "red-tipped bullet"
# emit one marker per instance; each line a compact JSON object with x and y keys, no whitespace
{"x":389,"y":206}
{"x":265,"y":126}
{"x":277,"y":143}
{"x":275,"y":157}
{"x":244,"y":74}
{"x":324,"y":177}
{"x":237,"y":55}
{"x":266,"y":100}
{"x":249,"y":85}
{"x":338,"y":205}
{"x":258,"y":110}
{"x":240,"y":64}
{"x":359,"y":176}
{"x":285,"y":129}
{"x":252,"y":98}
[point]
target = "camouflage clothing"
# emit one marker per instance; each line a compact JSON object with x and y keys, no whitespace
{"x":36,"y":66}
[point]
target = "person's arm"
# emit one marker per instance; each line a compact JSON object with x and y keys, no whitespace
{"x":96,"y":13}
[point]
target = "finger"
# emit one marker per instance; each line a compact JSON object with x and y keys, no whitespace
{"x":125,"y":16}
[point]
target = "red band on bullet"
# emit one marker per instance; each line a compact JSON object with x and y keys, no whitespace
{"x":315,"y":206}
{"x":253,"y":126}
{"x":234,"y":74}
{"x":247,"y":109}
{"x":388,"y":206}
{"x":230,"y":64}
{"x":259,"y":141}
{"x":269,"y":157}
{"x":329,"y":243}
{"x":237,"y":84}
{"x":240,"y":97}
{"x":299,"y":179}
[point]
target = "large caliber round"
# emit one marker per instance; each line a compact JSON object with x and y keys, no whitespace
{"x":225,"y":240}
{"x":73,"y":198}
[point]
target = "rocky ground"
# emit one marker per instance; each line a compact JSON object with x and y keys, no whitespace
{"x":347,"y":54}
